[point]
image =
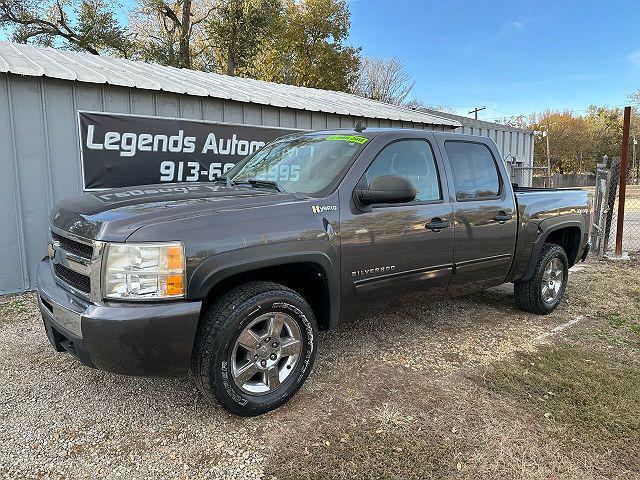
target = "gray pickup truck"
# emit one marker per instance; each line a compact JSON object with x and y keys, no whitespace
{"x":233,"y":279}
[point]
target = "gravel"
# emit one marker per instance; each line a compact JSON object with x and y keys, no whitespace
{"x":59,"y":419}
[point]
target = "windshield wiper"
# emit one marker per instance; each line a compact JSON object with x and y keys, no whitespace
{"x":227,"y":180}
{"x":256,"y":182}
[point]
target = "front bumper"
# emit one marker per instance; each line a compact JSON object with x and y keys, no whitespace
{"x":125,"y":338}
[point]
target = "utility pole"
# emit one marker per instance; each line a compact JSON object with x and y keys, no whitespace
{"x":475,"y":111}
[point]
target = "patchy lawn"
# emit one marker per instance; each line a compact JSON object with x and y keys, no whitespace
{"x":523,"y":404}
{"x":593,"y":398}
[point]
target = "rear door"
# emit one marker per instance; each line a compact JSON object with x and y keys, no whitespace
{"x":485,"y":220}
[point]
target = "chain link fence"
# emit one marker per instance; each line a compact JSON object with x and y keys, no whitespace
{"x":527,"y":176}
{"x":606,"y":204}
{"x":605,"y":187}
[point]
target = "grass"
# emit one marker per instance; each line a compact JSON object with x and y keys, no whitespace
{"x":584,"y":395}
{"x":617,"y":321}
{"x":365,"y":452}
{"x":14,"y":307}
{"x":569,"y":409}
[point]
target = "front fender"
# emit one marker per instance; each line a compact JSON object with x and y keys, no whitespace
{"x":224,"y":265}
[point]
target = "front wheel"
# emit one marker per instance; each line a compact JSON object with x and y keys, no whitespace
{"x":543,"y":292}
{"x":255,"y":347}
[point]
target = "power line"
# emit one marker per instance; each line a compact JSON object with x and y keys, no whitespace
{"x":476,"y":110}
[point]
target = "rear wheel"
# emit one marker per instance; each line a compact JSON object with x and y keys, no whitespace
{"x":543,"y":292}
{"x":255,"y":347}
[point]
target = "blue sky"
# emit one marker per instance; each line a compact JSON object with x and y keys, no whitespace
{"x":515,"y":57}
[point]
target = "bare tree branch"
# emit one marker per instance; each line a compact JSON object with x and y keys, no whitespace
{"x":383,"y":79}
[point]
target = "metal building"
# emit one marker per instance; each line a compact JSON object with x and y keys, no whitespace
{"x":515,"y":144}
{"x":41,"y":90}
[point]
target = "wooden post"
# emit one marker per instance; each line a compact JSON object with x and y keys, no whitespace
{"x":623,"y":178}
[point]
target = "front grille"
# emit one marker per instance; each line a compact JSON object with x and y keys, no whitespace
{"x":77,"y":248}
{"x":76,"y":280}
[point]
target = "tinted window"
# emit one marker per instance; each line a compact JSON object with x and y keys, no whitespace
{"x":413,"y":160}
{"x":474,"y":170}
{"x":305,"y":164}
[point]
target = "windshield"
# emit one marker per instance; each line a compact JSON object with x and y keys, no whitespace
{"x":305,"y":164}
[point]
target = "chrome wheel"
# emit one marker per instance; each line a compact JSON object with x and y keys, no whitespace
{"x":265,"y":353}
{"x":552,"y":279}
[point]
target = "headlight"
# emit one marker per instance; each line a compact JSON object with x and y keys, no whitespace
{"x":144,"y":270}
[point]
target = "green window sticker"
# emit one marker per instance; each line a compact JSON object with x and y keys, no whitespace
{"x":348,"y":138}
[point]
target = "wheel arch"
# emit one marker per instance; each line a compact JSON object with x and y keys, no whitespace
{"x":311,"y":273}
{"x":567,"y":233}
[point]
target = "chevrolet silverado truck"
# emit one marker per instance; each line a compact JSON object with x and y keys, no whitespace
{"x":233,"y":279}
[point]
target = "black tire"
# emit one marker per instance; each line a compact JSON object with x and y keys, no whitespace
{"x":220,"y":327}
{"x":528,"y":293}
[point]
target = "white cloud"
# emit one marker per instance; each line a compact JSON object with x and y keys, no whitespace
{"x":635,"y":57}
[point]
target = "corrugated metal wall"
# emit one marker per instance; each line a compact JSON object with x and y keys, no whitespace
{"x":514,"y":143}
{"x":40,"y":153}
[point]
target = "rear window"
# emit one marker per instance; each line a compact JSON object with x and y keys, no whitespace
{"x":474,"y":170}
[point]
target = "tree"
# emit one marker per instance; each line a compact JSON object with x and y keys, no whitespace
{"x":89,"y":25}
{"x":568,"y":139}
{"x":515,"y":121}
{"x":239,"y":29}
{"x":417,"y":104}
{"x":170,"y":32}
{"x":307,"y":47}
{"x":383,"y":79}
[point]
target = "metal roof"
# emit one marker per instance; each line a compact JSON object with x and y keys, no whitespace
{"x":21,"y":59}
{"x":472,"y":122}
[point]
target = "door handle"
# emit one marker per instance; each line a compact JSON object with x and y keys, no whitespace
{"x":502,"y":217}
{"x":437,"y":224}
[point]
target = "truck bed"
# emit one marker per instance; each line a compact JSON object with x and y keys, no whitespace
{"x":538,"y":205}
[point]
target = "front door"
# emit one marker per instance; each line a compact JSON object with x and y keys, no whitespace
{"x":396,"y":248}
{"x":484,"y":216}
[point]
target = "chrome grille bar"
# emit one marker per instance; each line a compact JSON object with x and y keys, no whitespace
{"x":71,"y":252}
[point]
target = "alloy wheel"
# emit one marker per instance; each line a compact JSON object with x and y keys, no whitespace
{"x":552,"y":280}
{"x":266,"y":353}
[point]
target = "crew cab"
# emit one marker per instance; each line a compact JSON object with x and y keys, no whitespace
{"x":233,"y":279}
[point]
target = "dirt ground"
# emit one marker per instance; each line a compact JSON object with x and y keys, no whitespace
{"x":464,"y":388}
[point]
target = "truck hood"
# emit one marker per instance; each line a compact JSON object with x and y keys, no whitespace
{"x":114,"y":214}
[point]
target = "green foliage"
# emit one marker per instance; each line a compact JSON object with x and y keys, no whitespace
{"x":238,"y":30}
{"x":171,"y":32}
{"x":89,"y":25}
{"x":578,"y":142}
{"x":300,"y":42}
{"x":308,"y":49}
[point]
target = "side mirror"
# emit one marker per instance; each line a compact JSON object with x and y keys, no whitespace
{"x":387,"y":189}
